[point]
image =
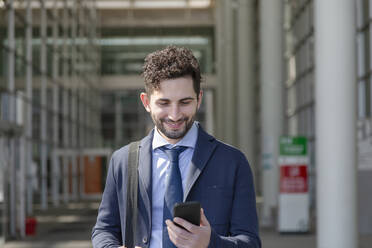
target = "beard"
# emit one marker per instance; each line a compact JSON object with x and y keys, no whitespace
{"x":173,"y":133}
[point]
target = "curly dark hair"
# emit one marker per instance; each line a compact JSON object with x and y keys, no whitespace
{"x":169,"y":63}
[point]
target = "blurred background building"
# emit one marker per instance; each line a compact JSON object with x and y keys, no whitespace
{"x":70,"y":84}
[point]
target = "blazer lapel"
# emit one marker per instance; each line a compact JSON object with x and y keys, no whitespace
{"x":144,"y":172}
{"x":204,"y":148}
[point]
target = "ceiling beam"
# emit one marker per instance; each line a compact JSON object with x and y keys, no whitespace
{"x":141,"y":18}
{"x":135,"y":82}
{"x":156,"y":17}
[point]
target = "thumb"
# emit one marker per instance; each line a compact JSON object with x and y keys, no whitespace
{"x":203,"y":218}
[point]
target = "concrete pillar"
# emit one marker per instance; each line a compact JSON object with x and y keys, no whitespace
{"x":209,"y":111}
{"x":246,"y":118}
{"x":28,"y":127}
{"x":3,"y":188}
{"x":55,"y":75}
{"x":74,"y":104}
{"x":25,"y":143}
{"x":220,"y":68}
{"x":335,"y":97}
{"x":271,"y":102}
{"x":12,"y":146}
{"x":118,"y":120}
{"x":43,"y":111}
{"x":66,"y":131}
{"x":22,"y":186}
{"x":82,"y":103}
{"x":229,"y":79}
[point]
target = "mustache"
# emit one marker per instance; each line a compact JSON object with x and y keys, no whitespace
{"x":172,"y":121}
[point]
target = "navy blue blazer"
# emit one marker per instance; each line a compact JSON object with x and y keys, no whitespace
{"x":219,"y":178}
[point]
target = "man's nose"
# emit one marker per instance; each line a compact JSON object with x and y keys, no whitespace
{"x":174,"y":113}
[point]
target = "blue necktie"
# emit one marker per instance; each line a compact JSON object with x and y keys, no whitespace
{"x":173,"y":190}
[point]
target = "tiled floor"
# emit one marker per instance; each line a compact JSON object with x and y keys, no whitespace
{"x":67,"y":226}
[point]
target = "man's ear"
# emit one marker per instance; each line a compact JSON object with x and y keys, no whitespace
{"x":145,"y":101}
{"x":200,"y":98}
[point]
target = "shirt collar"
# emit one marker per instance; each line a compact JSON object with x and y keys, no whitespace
{"x":189,"y":140}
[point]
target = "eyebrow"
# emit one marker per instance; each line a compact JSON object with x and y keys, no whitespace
{"x":183,"y":99}
{"x":187,"y":98}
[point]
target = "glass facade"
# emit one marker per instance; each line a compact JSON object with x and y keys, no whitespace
{"x":364,"y":12}
{"x":53,"y":61}
{"x":299,"y":76}
{"x":49,"y":71}
{"x":364,"y":124}
{"x":123,"y":55}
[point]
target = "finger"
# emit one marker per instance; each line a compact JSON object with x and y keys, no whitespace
{"x":177,"y":235}
{"x":172,"y":225}
{"x":203,"y":219}
{"x":185,"y":224}
{"x":176,"y":238}
{"x":178,"y":231}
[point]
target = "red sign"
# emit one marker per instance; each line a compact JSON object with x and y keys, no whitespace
{"x":293,"y":179}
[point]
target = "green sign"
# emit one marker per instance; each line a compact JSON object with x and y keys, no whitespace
{"x":293,"y":146}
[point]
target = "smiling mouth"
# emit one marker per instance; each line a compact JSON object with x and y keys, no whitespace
{"x":174,"y":125}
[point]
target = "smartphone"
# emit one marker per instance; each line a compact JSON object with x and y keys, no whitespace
{"x":189,"y":211}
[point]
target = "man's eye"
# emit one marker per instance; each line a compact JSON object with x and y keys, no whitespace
{"x":163,"y":103}
{"x":185,"y":102}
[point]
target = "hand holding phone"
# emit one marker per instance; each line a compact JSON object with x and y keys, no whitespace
{"x":189,"y":211}
{"x":193,"y":221}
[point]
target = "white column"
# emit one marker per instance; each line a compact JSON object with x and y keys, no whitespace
{"x":246,"y":78}
{"x":73,"y":100}
{"x":209,"y":111}
{"x":28,"y":127}
{"x":88,"y":90}
{"x":55,"y":75}
{"x":66,"y":85}
{"x":220,"y":70}
{"x":43,"y":111}
{"x":82,"y":103}
{"x":55,"y":179}
{"x":3,"y":188}
{"x":271,"y":102}
{"x":12,"y":145}
{"x":22,"y":185}
{"x":335,"y":97}
{"x":118,"y":120}
{"x":65,"y":175}
{"x":229,"y":79}
{"x":74,"y":172}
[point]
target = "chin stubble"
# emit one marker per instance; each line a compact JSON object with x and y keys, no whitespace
{"x":173,"y":134}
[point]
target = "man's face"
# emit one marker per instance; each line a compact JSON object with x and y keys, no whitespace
{"x":173,"y":107}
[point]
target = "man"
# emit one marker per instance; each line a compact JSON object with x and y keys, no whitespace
{"x":212,"y":173}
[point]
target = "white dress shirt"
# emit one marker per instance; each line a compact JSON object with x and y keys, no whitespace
{"x":160,"y":171}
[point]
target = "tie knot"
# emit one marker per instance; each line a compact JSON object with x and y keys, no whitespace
{"x":174,"y":152}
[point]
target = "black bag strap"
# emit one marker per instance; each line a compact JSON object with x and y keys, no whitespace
{"x":132,"y":189}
